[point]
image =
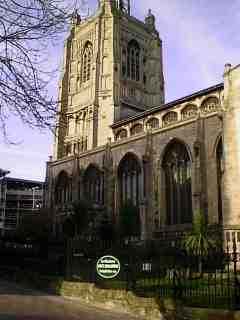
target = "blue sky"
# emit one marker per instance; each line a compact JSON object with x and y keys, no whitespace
{"x":199,"y":37}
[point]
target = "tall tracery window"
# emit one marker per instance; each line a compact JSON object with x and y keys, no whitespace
{"x":177,"y":171}
{"x":129,"y":176}
{"x":63,"y":191}
{"x":219,"y":158}
{"x":94,"y":185}
{"x":131,"y":61}
{"x":87,"y":62}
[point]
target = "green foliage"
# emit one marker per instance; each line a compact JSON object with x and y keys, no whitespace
{"x":129,"y":220}
{"x":198,"y":242}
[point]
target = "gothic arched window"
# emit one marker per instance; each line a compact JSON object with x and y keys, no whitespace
{"x":129,"y":176}
{"x":138,"y":128}
{"x":153,"y":123}
{"x":63,"y":192}
{"x":211,"y":104}
{"x":177,"y":172}
{"x":122,"y":134}
{"x":170,"y":118}
{"x":94,"y":185}
{"x":219,"y":158}
{"x":189,"y":112}
{"x":87,"y":62}
{"x":133,"y":61}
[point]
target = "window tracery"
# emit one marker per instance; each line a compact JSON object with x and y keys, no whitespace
{"x":63,"y":191}
{"x":178,"y":190}
{"x":169,"y":118}
{"x":189,"y":112}
{"x":122,"y":134}
{"x":210,"y":105}
{"x":131,"y":61}
{"x":87,"y":62}
{"x":153,"y":123}
{"x":94,"y":185}
{"x":136,"y":129}
{"x":129,"y":176}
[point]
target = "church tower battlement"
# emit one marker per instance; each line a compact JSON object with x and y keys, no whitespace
{"x":112,"y":69}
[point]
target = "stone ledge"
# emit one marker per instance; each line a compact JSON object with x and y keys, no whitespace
{"x":120,"y":300}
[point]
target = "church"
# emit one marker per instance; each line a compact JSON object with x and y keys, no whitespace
{"x":117,"y":140}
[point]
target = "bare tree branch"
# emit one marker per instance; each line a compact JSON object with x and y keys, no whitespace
{"x":26,"y":29}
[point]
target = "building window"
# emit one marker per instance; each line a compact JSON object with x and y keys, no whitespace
{"x":170,"y":118}
{"x":138,"y":128}
{"x":211,"y":104}
{"x":94,"y":185}
{"x":129,"y":176}
{"x":189,"y":112}
{"x":124,"y":62}
{"x":153,"y":123}
{"x":87,"y":62}
{"x":63,"y":191}
{"x":122,"y":134}
{"x":219,"y":156}
{"x":131,"y":61}
{"x":178,"y":190}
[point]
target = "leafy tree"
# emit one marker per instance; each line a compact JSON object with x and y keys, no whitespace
{"x":197,"y":242}
{"x":129,"y":220}
{"x":27,"y":29}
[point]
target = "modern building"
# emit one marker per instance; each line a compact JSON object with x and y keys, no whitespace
{"x":18,"y":198}
{"x":117,"y":139}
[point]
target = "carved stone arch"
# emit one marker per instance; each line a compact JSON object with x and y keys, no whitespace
{"x":87,"y":60}
{"x":133,"y":60}
{"x":216,"y":142}
{"x":177,"y":172}
{"x":93,"y":180}
{"x":121,"y":134}
{"x":152,"y":123}
{"x":172,"y":141}
{"x":136,"y":129}
{"x":129,"y":178}
{"x":210,"y":104}
{"x":169,"y":118}
{"x":189,"y":111}
{"x":62,"y":188}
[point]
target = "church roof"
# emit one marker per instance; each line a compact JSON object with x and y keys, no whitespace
{"x":167,"y":105}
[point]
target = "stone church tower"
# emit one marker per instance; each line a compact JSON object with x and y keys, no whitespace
{"x":118,"y":141}
{"x":112,"y":69}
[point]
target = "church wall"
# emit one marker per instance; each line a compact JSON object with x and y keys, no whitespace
{"x":110,"y":115}
{"x":213,"y":131}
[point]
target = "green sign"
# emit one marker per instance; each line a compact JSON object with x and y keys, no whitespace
{"x":108,"y":267}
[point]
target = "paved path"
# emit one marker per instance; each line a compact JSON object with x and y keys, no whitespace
{"x":19,"y":303}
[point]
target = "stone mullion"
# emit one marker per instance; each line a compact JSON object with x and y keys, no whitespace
{"x":178,"y":193}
